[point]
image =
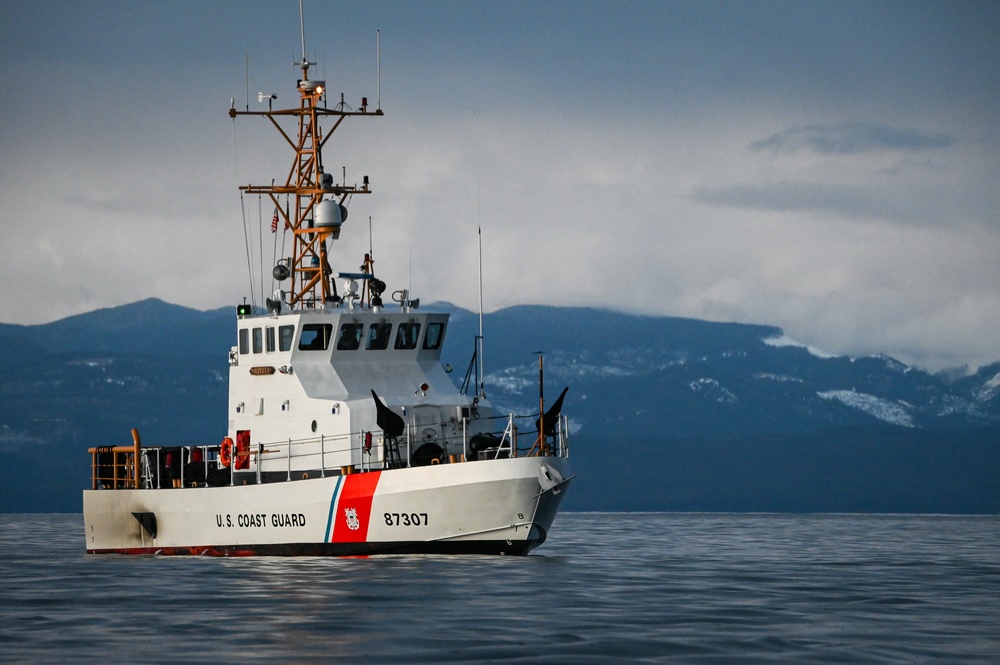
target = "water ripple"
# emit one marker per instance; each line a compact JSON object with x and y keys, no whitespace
{"x":606,"y":588}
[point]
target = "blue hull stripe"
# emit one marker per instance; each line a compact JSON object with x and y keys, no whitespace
{"x":333,"y":506}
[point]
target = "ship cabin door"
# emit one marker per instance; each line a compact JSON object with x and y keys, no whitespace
{"x":242,"y":460}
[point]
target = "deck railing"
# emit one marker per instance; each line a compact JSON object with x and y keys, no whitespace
{"x":119,"y":467}
{"x":115,"y":467}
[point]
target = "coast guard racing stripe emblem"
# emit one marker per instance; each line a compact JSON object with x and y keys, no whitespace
{"x":354,"y":508}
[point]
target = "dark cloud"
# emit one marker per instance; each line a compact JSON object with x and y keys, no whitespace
{"x":848,"y":200}
{"x":587,"y":125}
{"x":852,"y":138}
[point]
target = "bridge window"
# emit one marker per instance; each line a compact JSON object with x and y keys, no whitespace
{"x":285,"y":335}
{"x":258,"y":340}
{"x":378,"y":336}
{"x":350,"y":337}
{"x":407,"y":335}
{"x":434,"y":336}
{"x":244,"y":341}
{"x":315,"y":337}
{"x":269,"y":339}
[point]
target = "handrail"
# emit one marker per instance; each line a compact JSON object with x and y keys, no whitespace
{"x":510,"y":436}
{"x":126,"y":466}
{"x":129,"y":466}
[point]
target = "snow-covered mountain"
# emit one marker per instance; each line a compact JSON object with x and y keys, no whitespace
{"x":682,"y":377}
{"x":634,"y":380}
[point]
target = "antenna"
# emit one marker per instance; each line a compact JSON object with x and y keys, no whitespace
{"x":481,"y":379}
{"x":378,"y":69}
{"x":302,"y":28}
{"x":246,"y":67}
{"x":480,"y":388}
{"x":542,"y":450}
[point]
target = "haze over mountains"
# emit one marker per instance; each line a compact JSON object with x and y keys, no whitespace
{"x":666,"y":413}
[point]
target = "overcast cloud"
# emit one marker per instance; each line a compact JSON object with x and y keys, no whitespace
{"x":827,"y":167}
{"x":852,"y":138}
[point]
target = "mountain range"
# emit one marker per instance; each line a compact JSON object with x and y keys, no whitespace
{"x":666,"y":413}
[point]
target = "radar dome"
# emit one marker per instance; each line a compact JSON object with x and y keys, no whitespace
{"x":330,"y":215}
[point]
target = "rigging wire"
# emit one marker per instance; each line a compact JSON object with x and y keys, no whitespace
{"x":284,"y":231}
{"x":260,"y":244}
{"x":274,"y":246}
{"x":243,"y":213}
{"x":247,"y":243}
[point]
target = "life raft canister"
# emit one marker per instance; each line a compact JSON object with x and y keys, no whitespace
{"x":226,"y":452}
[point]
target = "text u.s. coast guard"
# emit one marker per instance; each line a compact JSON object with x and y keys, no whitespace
{"x":260,"y":520}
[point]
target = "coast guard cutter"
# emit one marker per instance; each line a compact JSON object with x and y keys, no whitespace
{"x":345,"y":434}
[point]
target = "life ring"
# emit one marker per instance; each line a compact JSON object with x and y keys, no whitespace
{"x":226,"y":452}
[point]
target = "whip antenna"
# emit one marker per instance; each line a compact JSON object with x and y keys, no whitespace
{"x":302,"y":28}
{"x":481,"y":390}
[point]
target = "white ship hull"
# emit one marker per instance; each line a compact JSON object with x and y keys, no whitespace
{"x":503,"y":506}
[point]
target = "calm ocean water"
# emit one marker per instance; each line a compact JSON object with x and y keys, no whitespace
{"x":606,"y":588}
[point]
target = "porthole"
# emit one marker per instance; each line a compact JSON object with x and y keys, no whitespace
{"x":314,"y":426}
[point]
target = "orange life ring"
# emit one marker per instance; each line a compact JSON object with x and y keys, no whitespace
{"x":226,"y":452}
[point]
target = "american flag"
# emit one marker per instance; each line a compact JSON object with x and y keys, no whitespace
{"x":274,"y":222}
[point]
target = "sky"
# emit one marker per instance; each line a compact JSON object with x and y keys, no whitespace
{"x":831,"y":168}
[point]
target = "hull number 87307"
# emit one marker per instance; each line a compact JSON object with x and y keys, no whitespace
{"x":406,"y":519}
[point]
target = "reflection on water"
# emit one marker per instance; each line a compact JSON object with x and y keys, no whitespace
{"x":605,"y":588}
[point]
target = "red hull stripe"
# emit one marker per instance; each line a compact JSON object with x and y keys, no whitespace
{"x":354,"y":507}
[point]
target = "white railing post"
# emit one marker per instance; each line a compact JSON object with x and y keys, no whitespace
{"x":260,"y":452}
{"x":510,"y":436}
{"x":365,"y":466}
